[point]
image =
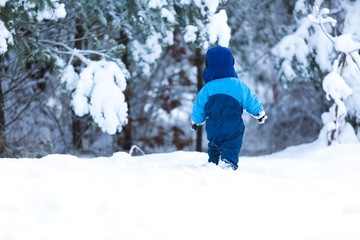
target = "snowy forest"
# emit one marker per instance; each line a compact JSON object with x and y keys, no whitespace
{"x":96,"y":77}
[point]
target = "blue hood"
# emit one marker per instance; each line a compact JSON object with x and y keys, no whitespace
{"x":219,"y":63}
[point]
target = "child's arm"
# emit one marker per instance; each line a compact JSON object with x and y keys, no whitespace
{"x":198,"y":113}
{"x":253,"y":106}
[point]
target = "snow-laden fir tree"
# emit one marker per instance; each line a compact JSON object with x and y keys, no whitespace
{"x":314,"y":43}
{"x":132,"y":34}
{"x":162,"y":59}
{"x":149,"y":28}
{"x":23,"y":59}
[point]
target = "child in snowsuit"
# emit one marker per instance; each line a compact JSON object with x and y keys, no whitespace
{"x":220,"y":104}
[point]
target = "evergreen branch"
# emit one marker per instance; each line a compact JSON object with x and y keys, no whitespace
{"x":72,"y":51}
{"x":253,"y":63}
{"x":20,"y":113}
{"x":352,"y":57}
{"x":321,"y":23}
{"x":79,"y":53}
{"x":329,"y":36}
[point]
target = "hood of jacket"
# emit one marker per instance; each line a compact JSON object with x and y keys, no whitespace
{"x":219,"y":63}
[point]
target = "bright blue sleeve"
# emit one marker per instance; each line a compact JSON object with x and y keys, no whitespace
{"x":250,"y":102}
{"x":198,"y":112}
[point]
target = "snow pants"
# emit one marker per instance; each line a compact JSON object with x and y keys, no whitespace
{"x":225,"y":145}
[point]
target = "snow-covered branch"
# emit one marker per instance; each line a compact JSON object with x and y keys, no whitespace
{"x":313,"y":38}
{"x":98,"y":91}
{"x":98,"y":88}
{"x":333,"y":84}
{"x":5,"y":38}
{"x":70,"y":51}
{"x":343,"y":43}
{"x":50,"y":10}
{"x":321,"y":18}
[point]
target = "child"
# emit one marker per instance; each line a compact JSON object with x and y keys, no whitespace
{"x":220,"y":103}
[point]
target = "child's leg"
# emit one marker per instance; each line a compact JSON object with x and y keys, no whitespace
{"x":230,"y":151}
{"x":230,"y":156}
{"x":214,"y":153}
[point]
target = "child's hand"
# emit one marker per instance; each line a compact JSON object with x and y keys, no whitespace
{"x":262,"y":119}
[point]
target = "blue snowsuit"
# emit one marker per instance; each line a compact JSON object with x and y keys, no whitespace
{"x":220,"y":103}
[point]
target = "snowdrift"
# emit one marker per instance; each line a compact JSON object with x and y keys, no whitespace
{"x":304,"y":192}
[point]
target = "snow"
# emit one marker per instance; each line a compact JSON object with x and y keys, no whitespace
{"x":5,"y":38}
{"x":314,"y":35}
{"x":190,"y":33}
{"x":352,"y":19}
{"x":321,"y":16}
{"x":146,"y":54}
{"x":335,"y":86}
{"x":214,"y":30}
{"x":212,"y":5}
{"x":290,"y":47}
{"x":157,"y":3}
{"x":323,"y":47}
{"x":49,"y":13}
{"x":55,"y":104}
{"x":219,"y":30}
{"x":300,"y":6}
{"x":99,"y":91}
{"x":304,"y":192}
{"x":165,"y":13}
{"x":54,"y":12}
{"x":52,"y":9}
{"x":348,"y":134}
{"x":293,"y":47}
{"x":169,"y":38}
{"x":344,"y":43}
{"x":185,"y":2}
{"x":3,"y":2}
{"x":69,"y":77}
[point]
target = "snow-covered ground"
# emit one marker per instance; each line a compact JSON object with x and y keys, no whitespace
{"x":305,"y":192}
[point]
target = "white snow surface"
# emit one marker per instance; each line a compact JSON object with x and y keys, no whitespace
{"x":304,"y":192}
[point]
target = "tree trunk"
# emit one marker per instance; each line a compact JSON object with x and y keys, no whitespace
{"x":78,"y":126}
{"x":124,"y":139}
{"x":334,"y":134}
{"x":2,"y":122}
{"x":199,"y":65}
{"x":77,"y":132}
